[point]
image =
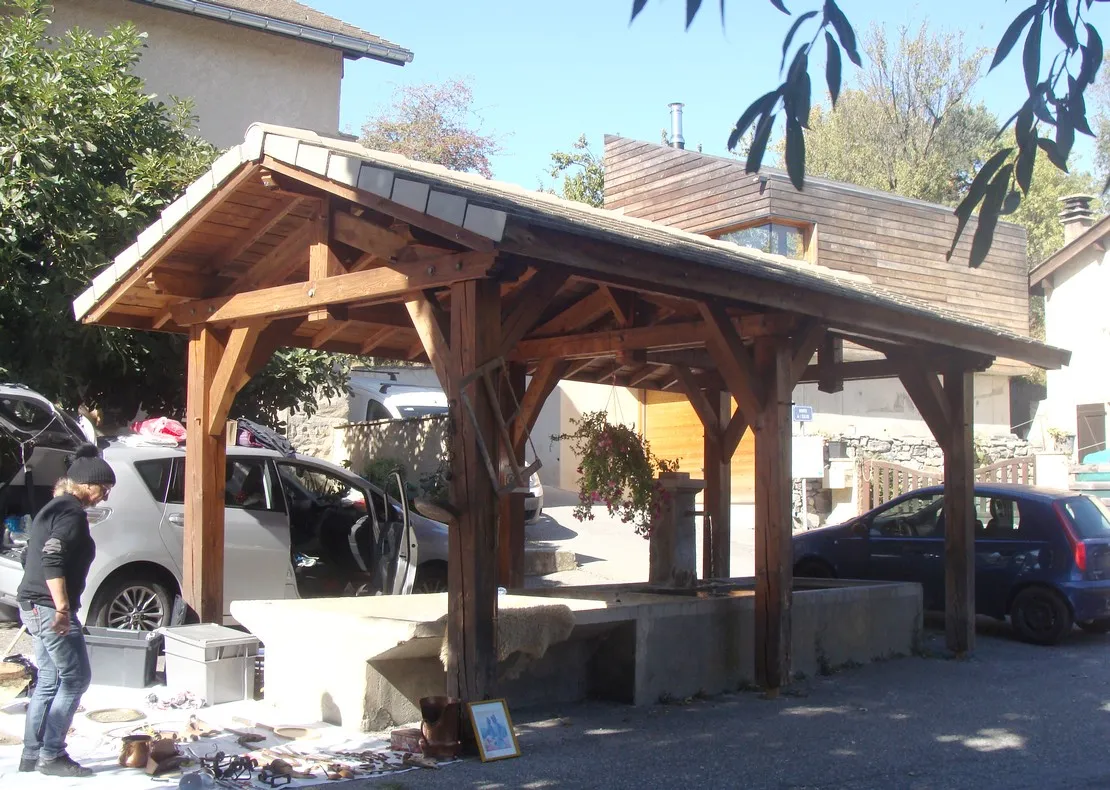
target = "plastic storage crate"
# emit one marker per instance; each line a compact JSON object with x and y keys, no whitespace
{"x":211,"y":661}
{"x":123,"y":658}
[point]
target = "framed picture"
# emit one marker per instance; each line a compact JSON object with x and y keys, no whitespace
{"x":493,"y":729}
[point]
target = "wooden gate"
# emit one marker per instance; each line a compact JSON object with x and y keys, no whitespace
{"x":882,"y":481}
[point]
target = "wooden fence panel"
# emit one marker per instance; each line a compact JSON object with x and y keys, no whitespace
{"x":881,"y":481}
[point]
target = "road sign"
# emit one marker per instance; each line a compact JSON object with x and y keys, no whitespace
{"x":803,"y":413}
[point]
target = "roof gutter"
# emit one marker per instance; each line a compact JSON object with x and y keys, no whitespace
{"x":350,"y":46}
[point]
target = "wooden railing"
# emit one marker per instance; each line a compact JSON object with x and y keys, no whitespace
{"x":882,"y":481}
{"x":1012,"y":470}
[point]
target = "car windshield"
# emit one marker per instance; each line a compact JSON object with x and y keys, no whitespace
{"x":1089,"y":515}
{"x":408,"y":412}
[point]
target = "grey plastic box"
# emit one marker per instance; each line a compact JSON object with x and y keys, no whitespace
{"x":122,"y":658}
{"x":211,"y":661}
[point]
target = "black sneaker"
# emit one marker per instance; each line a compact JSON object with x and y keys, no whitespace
{"x":27,"y":764}
{"x":63,"y":765}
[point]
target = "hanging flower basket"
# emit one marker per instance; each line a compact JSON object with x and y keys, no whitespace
{"x":617,"y":470}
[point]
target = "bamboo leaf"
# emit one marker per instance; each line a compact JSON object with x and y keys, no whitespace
{"x":1023,"y":168}
{"x":844,"y":30}
{"x":759,"y":143}
{"x":1063,"y":25}
{"x":790,"y":34}
{"x":778,"y":4}
{"x":692,"y":7}
{"x":975,"y":194}
{"x":1010,"y":37}
{"x":1092,"y":57}
{"x":1010,"y":205}
{"x":832,"y":67}
{"x":1049,"y":147}
{"x":637,"y":7}
{"x":761,"y":105}
{"x":988,"y":216}
{"x":1031,"y":55}
{"x":795,"y":153}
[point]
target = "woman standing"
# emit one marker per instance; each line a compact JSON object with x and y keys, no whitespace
{"x":59,"y":551}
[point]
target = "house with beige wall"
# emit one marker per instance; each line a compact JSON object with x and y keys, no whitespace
{"x":240,"y":61}
{"x":1075,"y":282}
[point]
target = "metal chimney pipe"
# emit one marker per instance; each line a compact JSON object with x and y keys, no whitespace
{"x":677,"y":140}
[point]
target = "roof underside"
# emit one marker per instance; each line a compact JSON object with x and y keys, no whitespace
{"x":248,"y":224}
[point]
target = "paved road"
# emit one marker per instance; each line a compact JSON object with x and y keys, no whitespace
{"x":1013,"y":717}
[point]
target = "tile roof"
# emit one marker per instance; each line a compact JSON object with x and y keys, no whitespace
{"x":484,"y":206}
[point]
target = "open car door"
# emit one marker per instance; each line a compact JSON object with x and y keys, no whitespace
{"x":395,"y":544}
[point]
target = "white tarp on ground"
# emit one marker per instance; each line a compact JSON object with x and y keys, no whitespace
{"x":98,"y":745}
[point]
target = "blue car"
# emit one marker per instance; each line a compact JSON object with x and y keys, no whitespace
{"x":1042,"y":557}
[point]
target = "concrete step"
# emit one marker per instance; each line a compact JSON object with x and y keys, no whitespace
{"x":542,"y":560}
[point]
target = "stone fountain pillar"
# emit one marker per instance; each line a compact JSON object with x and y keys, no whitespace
{"x":672,"y":549}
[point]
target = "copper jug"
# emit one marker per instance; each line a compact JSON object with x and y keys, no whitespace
{"x":440,"y":727}
{"x":135,"y":751}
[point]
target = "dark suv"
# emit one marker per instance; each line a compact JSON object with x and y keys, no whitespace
{"x":1041,"y":557}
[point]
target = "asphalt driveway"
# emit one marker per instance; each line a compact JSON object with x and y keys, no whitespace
{"x":1014,"y":716}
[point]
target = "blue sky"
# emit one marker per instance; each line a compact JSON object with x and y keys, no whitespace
{"x":546,"y":71}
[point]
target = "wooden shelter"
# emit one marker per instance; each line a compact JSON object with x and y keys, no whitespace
{"x":293,"y":239}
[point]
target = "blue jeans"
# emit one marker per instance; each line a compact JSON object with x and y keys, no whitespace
{"x":64,"y":675}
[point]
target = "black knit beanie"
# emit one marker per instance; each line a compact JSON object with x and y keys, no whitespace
{"x":89,"y":468}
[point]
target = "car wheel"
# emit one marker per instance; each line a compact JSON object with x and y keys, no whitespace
{"x":133,"y":603}
{"x":1099,"y":626}
{"x":1039,"y":615}
{"x":814,"y":569}
{"x":430,"y":578}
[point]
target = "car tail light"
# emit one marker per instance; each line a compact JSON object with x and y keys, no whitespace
{"x":1079,"y":548}
{"x":97,"y":514}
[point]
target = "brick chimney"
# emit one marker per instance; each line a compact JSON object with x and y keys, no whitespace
{"x":1076,"y":216}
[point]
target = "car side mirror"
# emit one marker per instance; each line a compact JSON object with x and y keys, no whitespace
{"x":860,"y":528}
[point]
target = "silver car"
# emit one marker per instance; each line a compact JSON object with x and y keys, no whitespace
{"x":295,"y":527}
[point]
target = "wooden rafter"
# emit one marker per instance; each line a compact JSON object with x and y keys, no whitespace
{"x":433,"y":329}
{"x":829,"y":358}
{"x":259,"y":228}
{"x":377,"y":338}
{"x":233,"y":363}
{"x":641,"y":374}
{"x":621,"y":303}
{"x":528,"y":305}
{"x":582,"y":313}
{"x":732,"y":358}
{"x":576,"y":368}
{"x":710,"y":419}
{"x":596,"y":344}
{"x":381,"y":283}
{"x":171,"y":241}
{"x":925,"y":390}
{"x":543,"y":383}
{"x":364,"y":235}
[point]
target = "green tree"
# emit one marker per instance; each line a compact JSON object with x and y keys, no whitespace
{"x":87,"y":159}
{"x":582,"y":174}
{"x":434,"y":123}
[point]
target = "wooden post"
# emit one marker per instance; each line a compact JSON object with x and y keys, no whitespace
{"x":717,"y":497}
{"x":203,"y":556}
{"x":472,"y":546}
{"x":510,"y":528}
{"x":959,"y":509}
{"x":774,"y":569}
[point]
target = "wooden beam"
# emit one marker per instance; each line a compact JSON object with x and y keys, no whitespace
{"x":323,"y":263}
{"x":717,"y":499}
{"x":660,"y":273}
{"x":329,"y":329}
{"x":383,"y":283}
{"x":597,"y":344}
{"x":734,"y":432}
{"x":171,"y":241}
{"x":621,"y":304}
{"x":276,"y":334}
{"x":418,"y":219}
{"x":472,"y":544}
{"x":226,"y":382}
{"x":707,"y":412}
{"x":280,"y":262}
{"x":432,"y":326}
{"x":529,"y":304}
{"x":640,"y":375}
{"x":582,"y":313}
{"x":257,"y":229}
{"x":543,"y":383}
{"x":774,"y":570}
{"x":364,"y":235}
{"x":927,"y":394}
{"x":732,"y":358}
{"x":959,"y":511}
{"x":376,"y":338}
{"x":203,"y":554}
{"x":829,"y":358}
{"x":577,"y":367}
{"x":184,"y":285}
{"x":804,"y":346}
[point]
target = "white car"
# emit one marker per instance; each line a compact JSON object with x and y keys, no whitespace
{"x":294,"y":527}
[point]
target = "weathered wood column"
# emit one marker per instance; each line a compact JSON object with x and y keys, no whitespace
{"x":774,"y":563}
{"x":717,"y":497}
{"x":959,"y":509}
{"x":510,"y":528}
{"x":472,"y":567}
{"x":203,"y":555}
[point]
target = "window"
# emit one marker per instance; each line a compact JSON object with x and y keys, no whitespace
{"x":156,"y":475}
{"x":997,"y":518}
{"x":248,"y":485}
{"x":773,"y":237}
{"x":306,"y":486}
{"x":916,"y":517}
{"x":376,"y":410}
{"x":1089,"y":515}
{"x":409,"y":412}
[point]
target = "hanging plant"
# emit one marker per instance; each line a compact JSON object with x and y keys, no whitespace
{"x":617,"y":470}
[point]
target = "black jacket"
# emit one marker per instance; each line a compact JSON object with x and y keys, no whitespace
{"x":58,"y":546}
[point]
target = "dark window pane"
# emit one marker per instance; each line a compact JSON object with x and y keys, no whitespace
{"x":910,"y":518}
{"x":156,"y":475}
{"x":409,"y":412}
{"x":176,"y":493}
{"x":1089,"y":516}
{"x":999,"y":518}
{"x":247,"y":484}
{"x":787,"y":241}
{"x":377,"y":411}
{"x":758,"y":237}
